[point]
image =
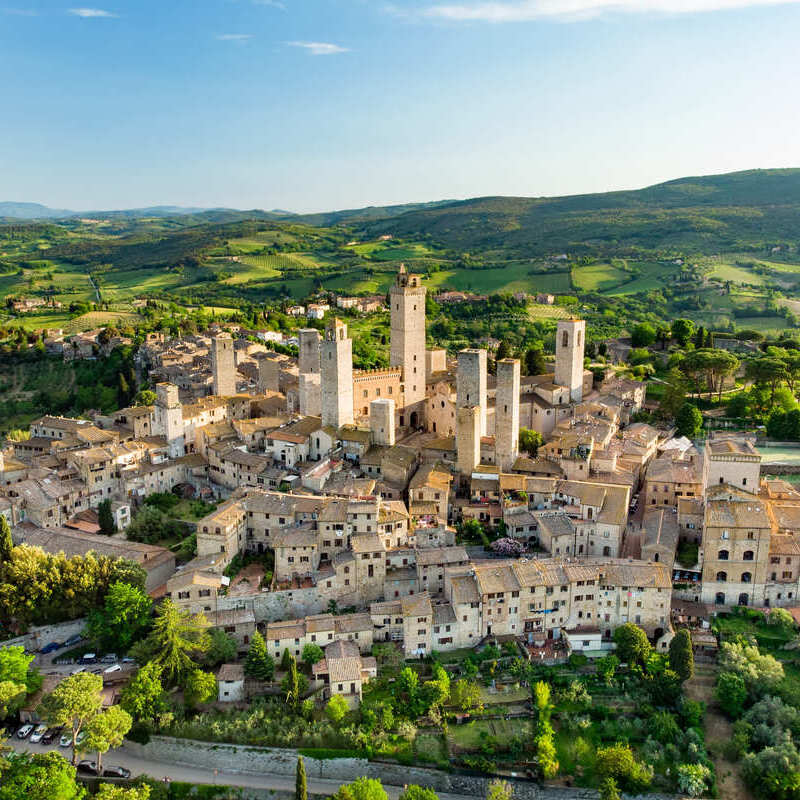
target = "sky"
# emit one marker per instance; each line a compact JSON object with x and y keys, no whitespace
{"x":310,"y":105}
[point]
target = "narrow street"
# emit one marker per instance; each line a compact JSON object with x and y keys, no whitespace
{"x":159,"y":771}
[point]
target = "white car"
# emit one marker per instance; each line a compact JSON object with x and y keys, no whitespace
{"x":40,"y":731}
{"x":65,"y":740}
{"x":24,"y":731}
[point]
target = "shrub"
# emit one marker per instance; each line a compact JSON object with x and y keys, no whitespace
{"x":618,"y":762}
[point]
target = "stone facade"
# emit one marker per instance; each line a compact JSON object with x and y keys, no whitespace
{"x":506,"y":435}
{"x":471,"y":383}
{"x":336,"y":353}
{"x":407,"y":349}
{"x":223,"y":366}
{"x":570,"y":340}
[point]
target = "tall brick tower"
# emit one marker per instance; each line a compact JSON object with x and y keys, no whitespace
{"x":223,"y":365}
{"x":169,"y":418}
{"x":336,"y":357}
{"x":407,"y":298}
{"x":570,"y":335}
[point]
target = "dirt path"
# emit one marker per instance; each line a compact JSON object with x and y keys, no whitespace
{"x":718,"y":731}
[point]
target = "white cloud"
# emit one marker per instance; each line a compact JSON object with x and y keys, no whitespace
{"x":234,"y":37}
{"x":530,"y":10}
{"x":320,"y":48}
{"x":91,"y":13}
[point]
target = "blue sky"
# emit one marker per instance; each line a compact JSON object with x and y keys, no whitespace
{"x":321,"y":104}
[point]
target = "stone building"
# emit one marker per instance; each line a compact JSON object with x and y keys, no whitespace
{"x":336,"y":352}
{"x":223,"y":366}
{"x":407,"y":347}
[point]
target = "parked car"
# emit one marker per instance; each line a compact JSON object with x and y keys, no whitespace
{"x":73,"y":640}
{"x":111,"y":670}
{"x":65,"y":740}
{"x":37,"y":735}
{"x":77,"y":670}
{"x":49,"y":648}
{"x":89,"y":767}
{"x":51,"y":735}
{"x":79,"y":739}
{"x":25,"y":731}
{"x":128,"y":660}
{"x":116,"y":772}
{"x":109,"y":658}
{"x":88,"y":658}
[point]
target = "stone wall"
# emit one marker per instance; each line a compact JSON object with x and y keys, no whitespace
{"x":280,"y":761}
{"x":36,"y":638}
{"x":275,"y":606}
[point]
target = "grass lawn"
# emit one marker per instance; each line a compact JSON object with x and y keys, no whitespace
{"x":470,"y":735}
{"x":512,"y":695}
{"x":598,"y":277}
{"x":653,"y":275}
{"x":764,"y":324}
{"x":725,"y":271}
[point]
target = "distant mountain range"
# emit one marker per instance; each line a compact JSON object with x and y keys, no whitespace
{"x":706,"y":213}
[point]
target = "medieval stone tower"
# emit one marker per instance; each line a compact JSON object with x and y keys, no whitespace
{"x":169,"y":418}
{"x":381,"y":421}
{"x":336,"y":357}
{"x":468,"y":439}
{"x":309,"y":385}
{"x":223,"y":365}
{"x":506,"y":430}
{"x":471,"y":382}
{"x":308,"y":356}
{"x":569,"y":356}
{"x":407,"y":298}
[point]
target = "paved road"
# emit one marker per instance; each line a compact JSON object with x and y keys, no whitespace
{"x":154,"y":769}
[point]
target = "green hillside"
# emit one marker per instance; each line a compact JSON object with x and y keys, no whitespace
{"x":737,"y":211}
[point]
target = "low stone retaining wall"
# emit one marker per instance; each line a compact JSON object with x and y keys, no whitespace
{"x":36,"y":638}
{"x":281,"y":761}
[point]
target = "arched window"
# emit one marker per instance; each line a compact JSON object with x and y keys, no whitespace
{"x":655,"y":557}
{"x":722,"y":577}
{"x":565,"y":339}
{"x":747,"y":577}
{"x":748,"y":555}
{"x":720,"y":599}
{"x":722,"y":555}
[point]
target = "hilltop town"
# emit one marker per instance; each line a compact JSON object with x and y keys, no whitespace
{"x":354,"y":508}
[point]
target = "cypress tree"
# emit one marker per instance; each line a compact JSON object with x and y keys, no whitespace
{"x":681,"y":657}
{"x":300,"y":790}
{"x":6,"y":543}
{"x":259,"y":663}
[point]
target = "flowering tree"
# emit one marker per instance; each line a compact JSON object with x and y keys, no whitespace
{"x":507,"y":547}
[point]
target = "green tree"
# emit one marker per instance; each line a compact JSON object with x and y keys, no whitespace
{"x":503,"y":350}
{"x":17,"y":679}
{"x":617,"y":761}
{"x":693,"y":778}
{"x":633,"y":646}
{"x":259,"y":663}
{"x":361,"y":789}
{"x":499,"y":790}
{"x":144,"y":697}
{"x":731,"y":693}
{"x":300,"y":788}
{"x":108,"y":791}
{"x":199,"y":687}
{"x":43,"y":776}
{"x":606,"y":667}
{"x":682,"y":331}
{"x":530,"y":441}
{"x":535,"y":363}
{"x":124,"y":617}
{"x":674,"y":393}
{"x":766,"y":372}
{"x":774,"y":773}
{"x":336,"y":709}
{"x":643,"y":335}
{"x":781,"y":618}
{"x":414,"y":792}
{"x":761,"y":672}
{"x":74,"y":703}
{"x":312,"y":653}
{"x":286,"y":660}
{"x":466,"y":695}
{"x":437,"y":690}
{"x":105,"y":518}
{"x":6,"y":542}
{"x":681,"y":656}
{"x":176,"y":639}
{"x":688,"y":421}
{"x":106,"y":731}
{"x":222,"y":648}
{"x":609,"y":790}
{"x":293,"y":685}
